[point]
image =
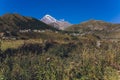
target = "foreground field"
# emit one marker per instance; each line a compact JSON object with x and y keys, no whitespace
{"x":5,"y":44}
{"x":57,"y":60}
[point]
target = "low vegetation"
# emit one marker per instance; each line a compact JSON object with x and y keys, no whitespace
{"x":53,"y":60}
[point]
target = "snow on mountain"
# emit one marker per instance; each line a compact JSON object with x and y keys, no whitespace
{"x":48,"y":19}
{"x":59,"y":24}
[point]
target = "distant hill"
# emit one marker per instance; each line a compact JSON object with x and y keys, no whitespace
{"x":14,"y":22}
{"x":98,"y":27}
{"x":92,"y":25}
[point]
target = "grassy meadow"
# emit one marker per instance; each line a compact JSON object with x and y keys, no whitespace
{"x":71,"y":58}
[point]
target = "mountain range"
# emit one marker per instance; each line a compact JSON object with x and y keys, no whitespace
{"x":15,"y":22}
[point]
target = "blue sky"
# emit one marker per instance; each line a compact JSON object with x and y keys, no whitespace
{"x":74,"y":11}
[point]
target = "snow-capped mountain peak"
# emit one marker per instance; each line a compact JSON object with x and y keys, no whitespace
{"x":59,"y":24}
{"x":48,"y":19}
